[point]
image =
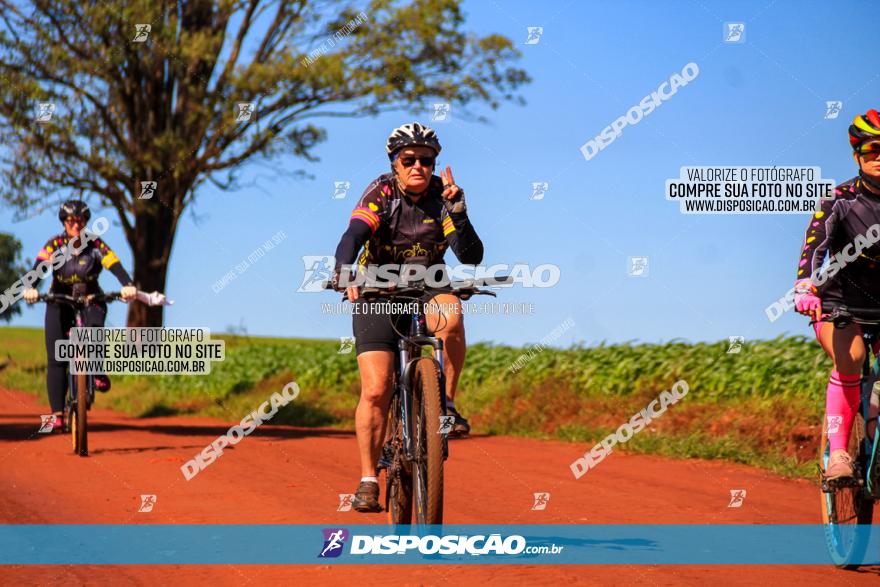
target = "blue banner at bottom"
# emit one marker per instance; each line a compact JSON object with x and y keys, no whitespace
{"x":651,"y":544}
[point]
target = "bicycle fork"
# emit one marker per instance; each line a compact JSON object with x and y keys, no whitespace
{"x":408,"y":364}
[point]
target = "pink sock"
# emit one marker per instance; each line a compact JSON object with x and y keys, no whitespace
{"x":841,"y":403}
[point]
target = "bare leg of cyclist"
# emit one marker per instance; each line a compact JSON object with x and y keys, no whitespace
{"x":450,"y":329}
{"x":846,"y":348}
{"x":445,"y":319}
{"x":376,"y":369}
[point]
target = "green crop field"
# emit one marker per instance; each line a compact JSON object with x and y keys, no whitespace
{"x":762,"y":406}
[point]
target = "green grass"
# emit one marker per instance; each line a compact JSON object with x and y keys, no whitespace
{"x":762,"y":406}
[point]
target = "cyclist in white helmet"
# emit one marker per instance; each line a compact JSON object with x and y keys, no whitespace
{"x":408,"y":214}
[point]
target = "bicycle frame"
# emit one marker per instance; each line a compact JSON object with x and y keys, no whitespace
{"x":84,"y":390}
{"x":409,"y":352}
{"x":872,"y":442}
{"x":79,"y":322}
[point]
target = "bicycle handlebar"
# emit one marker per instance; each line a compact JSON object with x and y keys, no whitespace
{"x":53,"y":298}
{"x":842,"y":315}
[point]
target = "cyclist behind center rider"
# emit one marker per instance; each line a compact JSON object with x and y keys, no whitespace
{"x":408,"y":213}
{"x":853,"y":210}
{"x":80,"y":271}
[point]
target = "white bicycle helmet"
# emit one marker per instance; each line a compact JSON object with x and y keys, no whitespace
{"x":411,"y":135}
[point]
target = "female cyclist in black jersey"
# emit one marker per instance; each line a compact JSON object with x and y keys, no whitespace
{"x":80,"y":270}
{"x":847,"y":218}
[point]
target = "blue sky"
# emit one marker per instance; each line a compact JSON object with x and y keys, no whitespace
{"x":761,"y":102}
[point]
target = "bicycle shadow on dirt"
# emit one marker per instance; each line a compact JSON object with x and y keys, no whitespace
{"x":20,"y":431}
{"x":141,"y":449}
{"x":866,"y":570}
{"x":215,"y":430}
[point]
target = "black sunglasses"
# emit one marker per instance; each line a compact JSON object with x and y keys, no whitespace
{"x":425,"y":161}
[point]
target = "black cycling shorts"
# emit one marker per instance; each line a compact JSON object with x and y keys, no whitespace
{"x":374,"y":321}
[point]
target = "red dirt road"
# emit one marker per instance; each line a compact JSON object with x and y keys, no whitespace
{"x":280,"y":475}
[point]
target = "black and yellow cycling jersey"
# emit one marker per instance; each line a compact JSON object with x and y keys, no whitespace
{"x":840,"y":222}
{"x":82,"y":268}
{"x":392,"y":228}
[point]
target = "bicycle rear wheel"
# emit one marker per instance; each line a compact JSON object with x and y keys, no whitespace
{"x":398,"y":481}
{"x":427,"y":444}
{"x":79,"y":426}
{"x":846,"y":507}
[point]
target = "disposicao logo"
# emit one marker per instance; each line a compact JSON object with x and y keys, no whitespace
{"x":334,"y":539}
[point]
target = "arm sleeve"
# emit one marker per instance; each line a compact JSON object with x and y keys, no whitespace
{"x":111,"y":262}
{"x":365,"y":219}
{"x":462,"y":238}
{"x":818,"y":237}
{"x":45,"y":254}
{"x":351,"y":242}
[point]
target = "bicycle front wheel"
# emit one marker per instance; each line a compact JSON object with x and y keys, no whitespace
{"x":846,"y":510}
{"x":427,"y":443}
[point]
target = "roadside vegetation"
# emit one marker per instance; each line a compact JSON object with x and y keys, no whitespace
{"x":761,"y":406}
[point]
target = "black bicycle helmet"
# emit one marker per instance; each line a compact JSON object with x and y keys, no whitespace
{"x":74,"y":208}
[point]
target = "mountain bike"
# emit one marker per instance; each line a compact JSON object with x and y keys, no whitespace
{"x":848,"y":503}
{"x":80,"y":387}
{"x":416,"y":442}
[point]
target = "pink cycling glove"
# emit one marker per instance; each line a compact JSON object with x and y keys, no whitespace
{"x":805,"y":298}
